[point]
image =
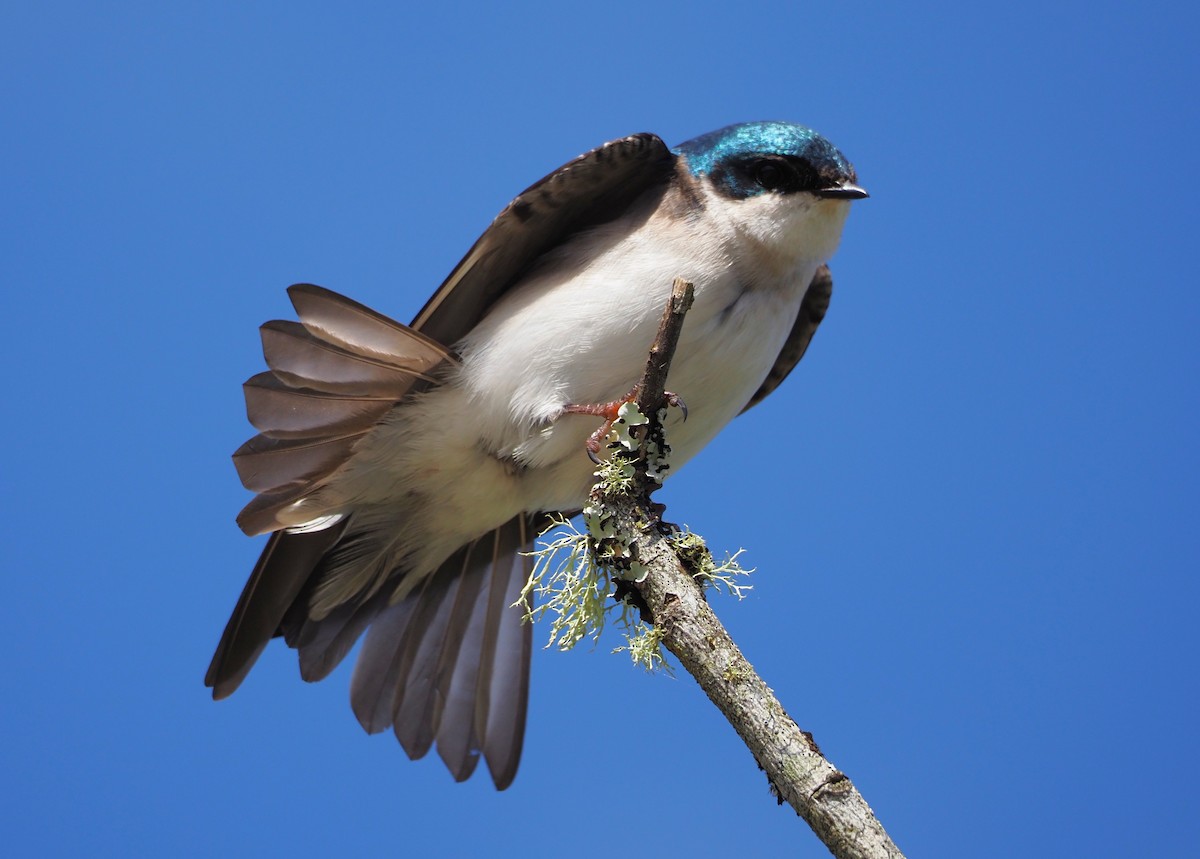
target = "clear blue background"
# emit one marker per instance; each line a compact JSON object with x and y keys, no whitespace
{"x":973,"y":508}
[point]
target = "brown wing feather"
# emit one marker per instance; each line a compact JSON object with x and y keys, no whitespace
{"x":812,"y":310}
{"x":280,"y":574}
{"x":450,"y":663}
{"x":594,"y":188}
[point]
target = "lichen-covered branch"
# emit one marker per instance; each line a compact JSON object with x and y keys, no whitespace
{"x":674,"y":602}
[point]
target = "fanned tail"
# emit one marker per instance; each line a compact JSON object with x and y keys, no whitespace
{"x":448,"y":663}
{"x":334,"y":375}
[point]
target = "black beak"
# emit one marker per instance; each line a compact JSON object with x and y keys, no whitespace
{"x":845,"y":191}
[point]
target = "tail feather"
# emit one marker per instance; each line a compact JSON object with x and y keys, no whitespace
{"x":261,"y":515}
{"x":358,"y":328}
{"x":303,"y":360}
{"x":334,"y":375}
{"x":267,"y":464}
{"x":449,"y":662}
{"x":279,"y":410}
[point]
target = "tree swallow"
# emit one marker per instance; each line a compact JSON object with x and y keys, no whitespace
{"x":401,"y":470}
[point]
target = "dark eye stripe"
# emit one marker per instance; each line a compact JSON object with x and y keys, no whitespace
{"x":770,"y":175}
{"x":753,"y":175}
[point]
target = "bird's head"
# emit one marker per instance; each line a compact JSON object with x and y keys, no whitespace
{"x":783,"y":185}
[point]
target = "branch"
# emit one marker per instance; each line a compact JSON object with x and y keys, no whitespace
{"x":798,"y":772}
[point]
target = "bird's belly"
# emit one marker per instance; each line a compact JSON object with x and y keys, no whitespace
{"x":730,"y":340}
{"x":493,"y":441}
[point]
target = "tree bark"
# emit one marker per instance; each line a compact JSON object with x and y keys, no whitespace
{"x":675,"y":604}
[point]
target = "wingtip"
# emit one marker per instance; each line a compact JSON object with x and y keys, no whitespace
{"x":221,"y":687}
{"x":462,"y":769}
{"x":504,"y":779}
{"x":221,"y":680}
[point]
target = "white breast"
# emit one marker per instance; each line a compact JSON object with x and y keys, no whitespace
{"x":492,"y":441}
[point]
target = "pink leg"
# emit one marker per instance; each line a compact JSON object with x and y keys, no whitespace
{"x":609,"y":411}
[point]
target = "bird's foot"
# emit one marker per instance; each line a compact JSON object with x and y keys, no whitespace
{"x":675,"y":400}
{"x":610,"y":412}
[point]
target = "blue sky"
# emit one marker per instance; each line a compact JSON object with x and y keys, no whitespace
{"x":973,"y":508}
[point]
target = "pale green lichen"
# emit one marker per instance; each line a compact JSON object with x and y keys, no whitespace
{"x":645,"y":648}
{"x":567,"y":584}
{"x":574,"y":571}
{"x":575,"y":590}
{"x":628,"y":416}
{"x":658,"y":452}
{"x":616,"y":475}
{"x":695,"y":556}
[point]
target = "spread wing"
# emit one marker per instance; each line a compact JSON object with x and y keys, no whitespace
{"x":586,"y":192}
{"x":449,"y":663}
{"x":812,"y":310}
{"x":339,"y":371}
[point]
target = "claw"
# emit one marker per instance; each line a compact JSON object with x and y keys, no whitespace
{"x":608,"y":411}
{"x":677,"y":401}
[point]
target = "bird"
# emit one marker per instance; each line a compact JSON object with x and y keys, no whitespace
{"x":402,"y":471}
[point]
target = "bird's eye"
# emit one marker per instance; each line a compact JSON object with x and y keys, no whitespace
{"x":769,"y":175}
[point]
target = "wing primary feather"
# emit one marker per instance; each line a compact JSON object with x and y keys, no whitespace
{"x":463,"y":662}
{"x":813,"y":307}
{"x":323,"y":644}
{"x":430,"y":663}
{"x":413,"y":707}
{"x":590,"y":190}
{"x":376,"y":675}
{"x":278,"y":578}
{"x":508,"y":647}
{"x":449,"y":662}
